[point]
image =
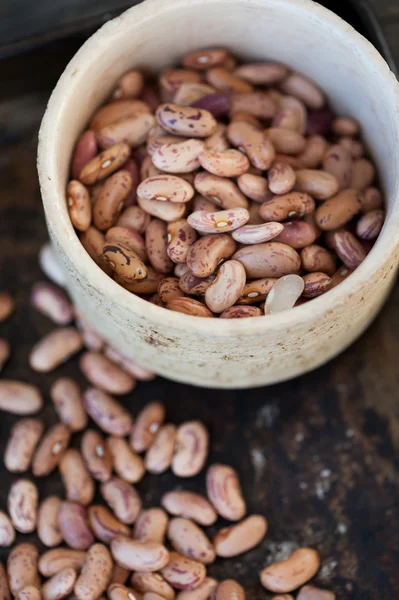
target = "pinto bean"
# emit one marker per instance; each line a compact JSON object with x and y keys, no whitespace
{"x":303,"y":88}
{"x":50,"y":450}
{"x":104,"y":525}
{"x":286,"y":141}
{"x":188,"y":93}
{"x":147,"y":424}
{"x":287,"y":575}
{"x":130,"y":238}
{"x":110,"y":202}
{"x":171,"y":80}
{"x":189,"y":306}
{"x":348,"y":248}
{"x":122,"y":498}
{"x":139,"y":556}
{"x":318,"y":184}
{"x":107,"y":413}
{"x":298,"y":234}
{"x":217,"y":141}
{"x":105,"y":374}
{"x":191,"y":449}
{"x":85,"y":150}
{"x":255,"y":143}
{"x":256,"y":290}
{"x":227,"y":287}
{"x":316,"y":283}
{"x":363,"y":174}
{"x":241,"y":312}
{"x":105,"y":163}
{"x":148,"y":285}
{"x":281,"y":178}
{"x":22,"y":505}
{"x":220,"y":190}
{"x":22,"y":568}
{"x":228,"y":589}
{"x":160,"y":454}
{"x":254,"y":186}
{"x":256,"y":234}
{"x":280,"y":208}
{"x":204,"y":256}
{"x":123,"y":261}
{"x":262,"y":73}
{"x":338,"y":162}
{"x":271,"y":259}
{"x":79,"y":205}
{"x":314,"y":152}
{"x":55,"y":348}
{"x":66,"y":396}
{"x":223,"y":489}
{"x":60,"y":585}
{"x":195,"y":286}
{"x":52,"y":302}
{"x":72,"y":523}
{"x":151,"y":526}
{"x":185,"y":120}
{"x":128,"y":465}
{"x":221,"y":79}
{"x":19,"y":398}
{"x":133,"y":131}
{"x":169,"y":289}
{"x":181,"y":503}
{"x":21,"y":445}
{"x":47,"y":522}
{"x":54,"y":561}
{"x":178,"y":157}
{"x":189,"y":540}
{"x":79,"y":486}
{"x":134,"y":217}
{"x":96,"y":455}
{"x":372,"y":199}
{"x":316,"y":258}
{"x":369,"y":225}
{"x":183,"y":573}
{"x":339,"y":209}
{"x":96,"y":573}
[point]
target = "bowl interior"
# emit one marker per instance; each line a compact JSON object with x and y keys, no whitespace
{"x":299,"y":33}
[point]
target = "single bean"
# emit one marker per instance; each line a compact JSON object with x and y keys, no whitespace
{"x":157,"y":244}
{"x":345,"y":126}
{"x":110,"y":202}
{"x":223,"y":489}
{"x":107,"y":413}
{"x":66,"y":396}
{"x":288,"y":206}
{"x":52,"y":302}
{"x":60,"y":585}
{"x":372,"y":199}
{"x":348,"y":248}
{"x":72,"y":523}
{"x":287,"y":575}
{"x":309,"y":592}
{"x":5,"y":351}
{"x":228,"y":589}
{"x":227,"y":287}
{"x":146,"y":425}
{"x":55,"y":348}
{"x":133,"y":131}
{"x":228,"y":163}
{"x":169,"y":288}
{"x":96,"y":455}
{"x":151,"y":526}
{"x":47,"y":521}
{"x":134,"y":217}
{"x":105,"y":374}
{"x":255,"y":234}
{"x":286,"y":141}
{"x":178,"y":157}
{"x":189,"y":306}
{"x":202,"y":60}
{"x":188,"y":93}
{"x":160,"y":454}
{"x":271,"y":259}
{"x":253,"y":142}
{"x":225,"y":220}
{"x":117,"y":591}
{"x":171,"y":80}
{"x":105,"y":163}
{"x":339,"y":209}
{"x":24,"y":437}
{"x":217,"y":103}
{"x":148,"y":285}
{"x":183,"y":573}
{"x":139,"y":556}
{"x":363,"y":174}
{"x":22,"y":568}
{"x":220,"y":190}
{"x":318,"y":184}
{"x":180,"y":236}
{"x":79,"y":205}
{"x":258,"y":104}
{"x":316,"y":258}
{"x":128,"y":465}
{"x":122,"y":498}
{"x":281,"y":178}
{"x":54,"y":561}
{"x":284,"y":294}
{"x":50,"y":265}
{"x":78,"y":484}
{"x":303,"y":88}
{"x":50,"y":450}
{"x":338,"y":162}
{"x":123,"y":261}
{"x":7,"y":532}
{"x":153,"y":582}
{"x":314,"y":151}
{"x":85,"y":150}
{"x":195,"y":286}
{"x":191,"y":448}
{"x":292,"y":115}
{"x":29,"y":593}
{"x":218,"y":141}
{"x":95,"y":575}
{"x":93,"y":241}
{"x":262,"y":73}
{"x":117,"y":111}
{"x":369,"y":225}
{"x":241,"y":312}
{"x":191,"y":505}
{"x":202,"y":592}
{"x":256,"y":290}
{"x":204,"y":256}
{"x":254,"y":186}
{"x":298,"y":234}
{"x":104,"y":525}
{"x":221,"y":79}
{"x":130,"y":85}
{"x":22,"y":505}
{"x":185,"y":120}
{"x":189,"y":540}
{"x":339,"y":276}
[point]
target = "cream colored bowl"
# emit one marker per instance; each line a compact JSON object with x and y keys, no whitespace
{"x":216,"y":352}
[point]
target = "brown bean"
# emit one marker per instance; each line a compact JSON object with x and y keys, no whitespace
{"x":221,"y":79}
{"x":372,"y":199}
{"x":318,"y":184}
{"x":95,"y":575}
{"x":146,"y":426}
{"x":139,"y":556}
{"x":134,"y":217}
{"x":292,"y":114}
{"x":159,"y":455}
{"x":363,"y":174}
{"x":130,"y":85}
{"x":340,"y":275}
{"x":128,"y":465}
{"x":29,"y":593}
{"x":93,"y":241}
{"x":169,"y":288}
{"x":185,"y":120}
{"x":182,"y":503}
{"x":22,"y":568}
{"x":305,"y":89}
{"x":19,"y":398}
{"x":298,"y":234}
{"x":218,"y":141}
{"x":256,"y":290}
{"x":223,"y":489}
{"x":7,"y":532}
{"x":259,"y":104}
{"x":85,"y":150}
{"x":202,"y":592}
{"x":170,"y":81}
{"x":338,"y":162}
{"x":24,"y":437}
{"x":96,"y":455}
{"x":228,"y":163}
{"x":228,"y":589}
{"x":316,"y":258}
{"x":254,"y":186}
{"x":241,"y":312}
{"x":104,"y":525}
{"x":54,"y":561}
{"x":60,"y":585}
{"x":151,"y":526}
{"x":79,"y":205}
{"x":66,"y":396}
{"x":188,"y":93}
{"x":205,"y":59}
{"x":195,"y":286}
{"x":286,"y":141}
{"x":191,"y":449}
{"x":316,"y":283}
{"x":107,"y":413}
{"x":281,"y":178}
{"x":314,"y":151}
{"x":117,"y":111}
{"x":72,"y":523}
{"x":369,"y":225}
{"x":122,"y":498}
{"x":148,"y":285}
{"x":5,"y":351}
{"x":105,"y":163}
{"x":287,"y":575}
{"x":271,"y":259}
{"x":183,"y":573}
{"x":109,"y":204}
{"x":255,"y":143}
{"x":309,"y":592}
{"x":189,"y":306}
{"x":153,"y":582}
{"x":52,"y":302}
{"x":348,"y":248}
{"x":204,"y":256}
{"x":47,"y":521}
{"x":50,"y":450}
{"x":288,"y":206}
{"x":339,"y":209}
{"x":227,"y":287}
{"x":123,"y":261}
{"x":105,"y":374}
{"x":189,"y":540}
{"x":55,"y":348}
{"x":133,"y":130}
{"x":180,"y":236}
{"x":156,"y":244}
{"x":262,"y":73}
{"x":78,"y":484}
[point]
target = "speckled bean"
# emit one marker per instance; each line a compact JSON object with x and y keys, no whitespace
{"x":191,"y":449}
{"x":29,"y":593}
{"x":255,"y":143}
{"x":19,"y":398}
{"x":338,"y":162}
{"x":338,"y":210}
{"x":195,"y":286}
{"x":222,"y":79}
{"x":286,"y":141}
{"x":228,"y":589}
{"x":78,"y":484}
{"x":60,"y":585}
{"x":171,"y":79}
{"x":180,"y":236}
{"x":96,"y":455}
{"x":151,"y":526}
{"x":128,"y":465}
{"x":241,"y":312}
{"x":372,"y":199}
{"x":134,"y":217}
{"x":292,"y":114}
{"x":107,"y":413}
{"x":133,"y":131}
{"x":55,"y":348}
{"x":298,"y":234}
{"x":24,"y":437}
{"x":72,"y":523}
{"x":122,"y":498}
{"x":185,"y":120}
{"x":117,"y":591}
{"x":281,"y":178}
{"x":227,"y":163}
{"x":156,"y":241}
{"x":7,"y":532}
{"x":256,"y":234}
{"x":348,"y":248}
{"x":146,"y":426}
{"x":110,"y":202}
{"x":220,"y":190}
{"x":287,"y":575}
{"x":50,"y":450}
{"x":105,"y":163}
{"x":202,"y":592}
{"x":355,"y":148}
{"x":256,"y":290}
{"x":104,"y":525}
{"x":139,"y":556}
{"x":22,"y":505}
{"x":128,"y":237}
{"x":227,"y":287}
{"x":117,"y":111}
{"x":204,"y":256}
{"x":317,"y":258}
{"x":271,"y":259}
{"x":95,"y":575}
{"x":221,"y":221}
{"x":288,"y":206}
{"x":123,"y":261}
{"x":92,"y":241}
{"x":189,"y":540}
{"x":369,"y":225}
{"x":105,"y":374}
{"x":66,"y":396}
{"x":191,"y":505}
{"x":153,"y":582}
{"x":79,"y":205}
{"x":47,"y":521}
{"x":52,"y":302}
{"x":4,"y":588}
{"x":169,"y":289}
{"x":254,"y":186}
{"x":54,"y":561}
{"x":314,"y":151}
{"x":85,"y":150}
{"x":159,"y":455}
{"x":183,"y":573}
{"x":189,"y":306}
{"x":22,"y":568}
{"x":178,"y":157}
{"x":318,"y":184}
{"x":223,"y":489}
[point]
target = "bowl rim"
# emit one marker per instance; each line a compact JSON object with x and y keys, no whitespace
{"x":65,"y":234}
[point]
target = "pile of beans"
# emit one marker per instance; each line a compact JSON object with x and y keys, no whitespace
{"x":223,"y":189}
{"x":115,"y":547}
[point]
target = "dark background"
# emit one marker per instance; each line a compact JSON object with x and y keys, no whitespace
{"x":318,"y":456}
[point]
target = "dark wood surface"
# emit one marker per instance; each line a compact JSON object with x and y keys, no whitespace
{"x":318,"y":456}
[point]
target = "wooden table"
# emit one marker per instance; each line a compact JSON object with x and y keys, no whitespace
{"x":318,"y":455}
